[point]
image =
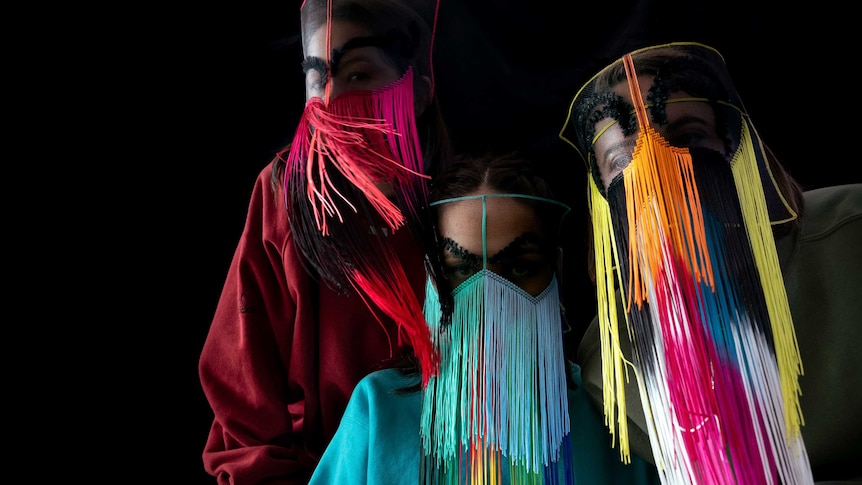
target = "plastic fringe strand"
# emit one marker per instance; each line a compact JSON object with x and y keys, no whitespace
{"x":497,"y":412}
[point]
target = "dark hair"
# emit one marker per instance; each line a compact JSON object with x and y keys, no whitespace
{"x":504,"y":173}
{"x":411,"y":23}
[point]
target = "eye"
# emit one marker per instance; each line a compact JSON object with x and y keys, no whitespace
{"x":521,"y":269}
{"x":460,"y":271}
{"x":611,"y":167}
{"x":358,"y":76}
{"x":458,"y":263}
{"x":689,"y":138}
{"x":692,"y":125}
{"x":619,"y":161}
{"x":613,"y":153}
{"x":364,"y":70}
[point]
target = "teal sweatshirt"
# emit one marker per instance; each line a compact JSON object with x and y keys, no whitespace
{"x":377,"y":441}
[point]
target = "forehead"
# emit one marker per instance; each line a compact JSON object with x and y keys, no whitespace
{"x":673,"y":110}
{"x":341,"y":32}
{"x":505,"y":219}
{"x":645,"y":82}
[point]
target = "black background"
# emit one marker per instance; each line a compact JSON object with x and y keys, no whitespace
{"x":195,"y":101}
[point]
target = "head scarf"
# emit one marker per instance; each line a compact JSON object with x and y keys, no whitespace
{"x":498,"y":410}
{"x":684,"y":233}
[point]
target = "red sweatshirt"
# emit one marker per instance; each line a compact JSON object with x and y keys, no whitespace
{"x":284,"y":352}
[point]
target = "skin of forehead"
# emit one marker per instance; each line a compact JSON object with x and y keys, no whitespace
{"x":507,"y":219}
{"x":674,"y":111}
{"x":644,"y":83}
{"x":342,"y":31}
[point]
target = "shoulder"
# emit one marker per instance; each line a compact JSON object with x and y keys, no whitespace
{"x":829,"y":229}
{"x":384,"y":382}
{"x":379,"y":394}
{"x":267,"y":215}
{"x":377,"y":440}
{"x":829,"y":208}
{"x":843,"y":194}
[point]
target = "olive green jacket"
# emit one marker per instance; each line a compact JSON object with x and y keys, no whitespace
{"x":822,"y":267}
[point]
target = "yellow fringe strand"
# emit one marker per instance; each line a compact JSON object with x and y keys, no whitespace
{"x":754,"y":212}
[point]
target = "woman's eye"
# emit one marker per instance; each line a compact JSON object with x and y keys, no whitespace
{"x":688,"y":139}
{"x":461,"y":270}
{"x":357,"y":76}
{"x":615,"y":160}
{"x":619,"y":162}
{"x":524,"y":269}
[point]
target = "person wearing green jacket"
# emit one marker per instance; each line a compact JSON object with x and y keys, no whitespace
{"x":729,"y":298}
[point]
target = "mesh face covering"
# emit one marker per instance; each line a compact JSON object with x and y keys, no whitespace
{"x":685,"y":232}
{"x":498,"y":410}
{"x":339,"y":218}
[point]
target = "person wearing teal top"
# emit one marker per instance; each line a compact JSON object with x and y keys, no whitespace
{"x":505,"y":403}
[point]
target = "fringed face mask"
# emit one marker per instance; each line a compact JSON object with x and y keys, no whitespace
{"x":346,"y":150}
{"x":498,"y":410}
{"x":354,"y":175}
{"x":682,"y":203}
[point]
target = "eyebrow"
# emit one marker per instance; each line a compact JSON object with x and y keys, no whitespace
{"x":312,"y":63}
{"x":449,"y":246}
{"x":526,"y":243}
